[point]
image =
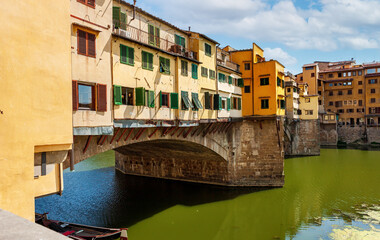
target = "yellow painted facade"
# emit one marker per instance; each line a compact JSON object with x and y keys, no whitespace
{"x":35,"y":99}
{"x":205,"y":83}
{"x":309,"y":107}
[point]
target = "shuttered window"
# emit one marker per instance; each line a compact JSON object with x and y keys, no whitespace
{"x":197,"y":104}
{"x":229,"y":80}
{"x":217,"y":102}
{"x":147,"y":60}
{"x":239,"y":103}
{"x":174,"y":100}
{"x":116,"y":16}
{"x":86,"y":97}
{"x":204,"y":72}
{"x":222,"y":77}
{"x":164,"y":65}
{"x":212,"y":74}
{"x":208,"y":49}
{"x":123,"y":21}
{"x":264,"y":103}
{"x":101,"y":98}
{"x":185,"y":103}
{"x":151,"y":99}
{"x":264,"y":81}
{"x":127,"y":55}
{"x":140,"y":96}
{"x":164,"y":99}
{"x":194,"y":71}
{"x":184,"y":70}
{"x":117,"y":95}
{"x":207,"y":100}
{"x":179,"y":40}
{"x":90,"y":3}
{"x":228,"y":104}
{"x":86,"y":43}
{"x":241,"y":82}
{"x":75,"y":95}
{"x":154,"y":35}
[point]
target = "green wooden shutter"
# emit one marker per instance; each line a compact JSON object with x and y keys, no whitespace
{"x":162,"y":64}
{"x":216,"y":101}
{"x":131,"y":56}
{"x":160,"y":98}
{"x":194,"y":70}
{"x":116,"y":16}
{"x":157,"y":37}
{"x":229,"y":80}
{"x":174,"y":100}
{"x":167,"y":63}
{"x":151,"y":99}
{"x":220,"y":103}
{"x":144,"y":60}
{"x":140,"y":96}
{"x":228,"y":104}
{"x":123,"y":21}
{"x":123,"y":53}
{"x":207,"y":100}
{"x":177,"y":39}
{"x":239,"y":103}
{"x":117,"y":95}
{"x":150,"y":61}
{"x":151,"y":34}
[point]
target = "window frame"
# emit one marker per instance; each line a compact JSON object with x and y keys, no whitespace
{"x":206,"y":45}
{"x":165,"y":69}
{"x":264,"y":81}
{"x":184,"y":72}
{"x":127,"y":55}
{"x":87,"y":49}
{"x":265,"y":106}
{"x":85,"y":2}
{"x":147,"y":63}
{"x":93,"y":97}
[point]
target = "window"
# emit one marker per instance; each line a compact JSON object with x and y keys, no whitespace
{"x":264,"y":103}
{"x":90,"y":3}
{"x":360,"y":83}
{"x":180,"y":41}
{"x":288,"y":90}
{"x":309,"y":68}
{"x":240,"y":82}
{"x":319,"y":93}
{"x":360,"y":73}
{"x":331,"y":103}
{"x":127,"y":55}
{"x":221,"y":77}
{"x":350,"y":110}
{"x":164,"y":99}
{"x":340,"y":92}
{"x":349,"y":83}
{"x":312,"y":75}
{"x":211,"y":74}
{"x":229,"y":79}
{"x":349,"y":92}
{"x":196,"y":103}
{"x":194,"y":71}
{"x":373,"y":100}
{"x":331,"y":75}
{"x":282,"y":103}
{"x":264,"y":81}
{"x":186,"y":104}
{"x":295,"y":90}
{"x":154,"y":35}
{"x":208,"y":49}
{"x":247,"y":66}
{"x":344,"y":74}
{"x":184,"y":70}
{"x":372,"y":70}
{"x":321,"y":75}
{"x":208,"y":100}
{"x":372,"y":81}
{"x":86,"y":43}
{"x":338,"y":104}
{"x":360,"y":102}
{"x":373,"y":90}
{"x":360,"y":91}
{"x":147,"y":60}
{"x":354,"y":73}
{"x":309,"y":112}
{"x":119,"y":18}
{"x":307,"y":100}
{"x":164,"y":65}
{"x":204,"y":72}
{"x":278,"y":81}
{"x":86,"y":94}
{"x":247,"y":89}
{"x":331,"y":93}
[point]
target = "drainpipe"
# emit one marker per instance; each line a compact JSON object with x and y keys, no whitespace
{"x":134,"y":10}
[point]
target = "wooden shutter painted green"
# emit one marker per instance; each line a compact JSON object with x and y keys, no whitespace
{"x":116,"y":16}
{"x":123,"y":53}
{"x":229,"y":80}
{"x":216,"y":101}
{"x":123,"y":21}
{"x":207,"y":100}
{"x":151,"y":99}
{"x":117,"y":95}
{"x":239,"y":103}
{"x":174,"y":100}
{"x":160,"y":98}
{"x":241,"y":82}
{"x":157,"y":37}
{"x":131,"y":56}
{"x":228,"y":104}
{"x":220,"y":103}
{"x":151,"y":34}
{"x":140,"y":96}
{"x":194,"y":71}
{"x":150,"y":61}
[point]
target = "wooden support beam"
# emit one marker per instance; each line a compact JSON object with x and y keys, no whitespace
{"x":195,"y":131}
{"x":122,"y":134}
{"x":113,"y":138}
{"x":207,"y":130}
{"x":170,"y":130}
{"x":224,"y":125}
{"x":155,"y":130}
{"x":217,"y":127}
{"x":87,"y":143}
{"x":140,"y":133}
{"x":179,"y":134}
{"x":175,"y":131}
{"x":129,"y":134}
{"x":165,"y":132}
{"x":228,"y":127}
{"x":203,"y":128}
{"x":188,"y":132}
{"x":104,"y":139}
{"x":101,"y":139}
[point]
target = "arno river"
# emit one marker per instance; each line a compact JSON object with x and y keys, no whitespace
{"x":333,"y":196}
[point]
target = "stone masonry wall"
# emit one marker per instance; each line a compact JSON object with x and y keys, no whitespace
{"x":350,"y":134}
{"x":373,"y":134}
{"x":302,"y":138}
{"x":255,"y":155}
{"x":328,"y":134}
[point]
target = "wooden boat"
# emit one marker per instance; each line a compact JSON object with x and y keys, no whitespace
{"x":80,"y":232}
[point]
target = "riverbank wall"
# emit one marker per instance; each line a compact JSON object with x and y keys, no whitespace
{"x":361,"y":135}
{"x":328,"y":134}
{"x":302,"y":137}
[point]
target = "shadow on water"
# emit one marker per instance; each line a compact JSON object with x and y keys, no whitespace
{"x":107,"y":197}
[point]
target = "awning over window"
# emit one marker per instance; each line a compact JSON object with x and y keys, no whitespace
{"x":186,"y":100}
{"x":196,"y":101}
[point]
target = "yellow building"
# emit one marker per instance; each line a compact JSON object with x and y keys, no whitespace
{"x":35,"y":101}
{"x":91,"y":67}
{"x":308,"y":107}
{"x":155,"y":75}
{"x":263,"y":83}
{"x":205,"y":50}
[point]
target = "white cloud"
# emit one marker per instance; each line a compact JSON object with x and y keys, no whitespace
{"x":335,"y":24}
{"x":280,"y":55}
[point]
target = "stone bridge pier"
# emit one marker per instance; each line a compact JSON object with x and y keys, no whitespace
{"x":245,"y":153}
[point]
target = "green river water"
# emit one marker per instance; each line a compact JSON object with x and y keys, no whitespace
{"x":332,"y":196}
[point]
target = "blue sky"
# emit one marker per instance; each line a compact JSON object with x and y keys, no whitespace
{"x":295,"y":32}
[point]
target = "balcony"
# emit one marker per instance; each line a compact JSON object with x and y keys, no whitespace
{"x":230,"y":65}
{"x":143,"y":37}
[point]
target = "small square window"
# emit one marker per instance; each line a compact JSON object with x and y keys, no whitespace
{"x":247,"y":66}
{"x":247,"y":89}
